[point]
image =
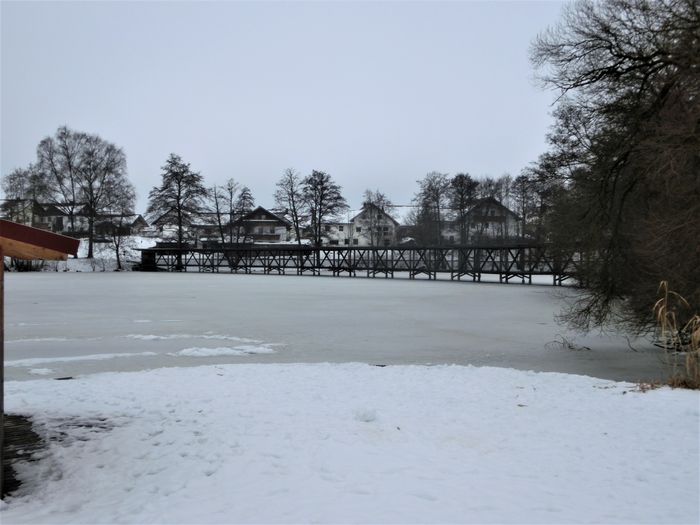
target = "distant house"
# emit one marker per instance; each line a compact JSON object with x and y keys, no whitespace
{"x":110,"y":224}
{"x":18,"y":210}
{"x":372,"y":226}
{"x":166,"y":220}
{"x":261,"y":225}
{"x":46,"y":216}
{"x":55,"y":218}
{"x":487,"y":220}
{"x":258,"y":225}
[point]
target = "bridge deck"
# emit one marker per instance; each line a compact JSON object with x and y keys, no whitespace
{"x":471,"y":262}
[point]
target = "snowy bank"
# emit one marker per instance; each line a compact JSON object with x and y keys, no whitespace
{"x":289,"y":443}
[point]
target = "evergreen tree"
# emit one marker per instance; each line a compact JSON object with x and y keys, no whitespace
{"x":180,"y":196}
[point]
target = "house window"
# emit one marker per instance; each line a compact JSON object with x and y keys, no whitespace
{"x":272,"y":229}
{"x":358,"y":229}
{"x":328,"y":227}
{"x":333,"y":242}
{"x":355,"y":241}
{"x":340,"y":228}
{"x":493,"y":213}
{"x":346,"y":241}
{"x":386,"y":229}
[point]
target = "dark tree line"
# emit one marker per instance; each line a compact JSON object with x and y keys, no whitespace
{"x":625,"y":148}
{"x":443,"y":200}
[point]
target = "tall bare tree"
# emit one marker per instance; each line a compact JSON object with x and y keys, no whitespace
{"x":626,"y":148}
{"x":462,"y":197}
{"x":101,"y":177}
{"x":289,"y":195}
{"x":59,"y":161}
{"x":123,"y":198}
{"x":324,"y":200}
{"x":217,"y":210}
{"x":23,"y":187}
{"x":431,"y":202}
{"x":376,"y":205}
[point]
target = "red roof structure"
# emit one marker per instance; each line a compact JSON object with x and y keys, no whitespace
{"x":24,"y":242}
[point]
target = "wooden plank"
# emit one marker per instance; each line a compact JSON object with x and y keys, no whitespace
{"x":36,"y":237}
{"x":2,"y":364}
{"x":23,"y":250}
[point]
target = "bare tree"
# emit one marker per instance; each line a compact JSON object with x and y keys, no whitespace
{"x":59,"y":162}
{"x":25,"y":183}
{"x":432,"y":202}
{"x":462,"y":197}
{"x":324,"y":200}
{"x":625,"y":148}
{"x":101,"y":177}
{"x":289,"y":195}
{"x":122,"y":202}
{"x":376,"y":205}
{"x":226,"y":205}
{"x":230,"y":192}
{"x":216,"y":209}
{"x":22,"y":187}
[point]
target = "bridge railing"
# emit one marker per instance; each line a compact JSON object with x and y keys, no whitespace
{"x":508,"y":262}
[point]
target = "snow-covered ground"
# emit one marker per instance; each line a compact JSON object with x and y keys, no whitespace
{"x":282,"y":424}
{"x":104,"y":256}
{"x":349,"y":443}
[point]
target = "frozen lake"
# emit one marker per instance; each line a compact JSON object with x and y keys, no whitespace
{"x":66,"y":324}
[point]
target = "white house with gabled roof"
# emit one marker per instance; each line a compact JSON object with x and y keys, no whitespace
{"x":372,"y":226}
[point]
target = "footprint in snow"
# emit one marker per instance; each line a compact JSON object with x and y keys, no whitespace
{"x":366,"y":416}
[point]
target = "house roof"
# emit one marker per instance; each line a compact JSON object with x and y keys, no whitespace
{"x":49,"y":209}
{"x":248,"y":217}
{"x":369,"y":205}
{"x":490,"y":202}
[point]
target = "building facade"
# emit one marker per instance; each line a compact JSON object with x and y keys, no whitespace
{"x":372,"y":226}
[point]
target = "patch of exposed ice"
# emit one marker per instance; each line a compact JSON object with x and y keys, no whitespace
{"x":219,"y":337}
{"x":223,"y":351}
{"x":37,"y":340}
{"x":41,"y":371}
{"x":92,"y":357}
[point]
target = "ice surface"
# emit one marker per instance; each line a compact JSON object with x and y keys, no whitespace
{"x":313,"y":319}
{"x":95,"y":357}
{"x":40,"y":371}
{"x":224,"y":351}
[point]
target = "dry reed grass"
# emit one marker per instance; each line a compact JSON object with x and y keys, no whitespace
{"x":678,"y":333}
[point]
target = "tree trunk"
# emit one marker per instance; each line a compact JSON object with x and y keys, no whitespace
{"x":91,"y":235}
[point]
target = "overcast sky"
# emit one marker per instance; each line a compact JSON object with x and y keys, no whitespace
{"x":375,"y":93}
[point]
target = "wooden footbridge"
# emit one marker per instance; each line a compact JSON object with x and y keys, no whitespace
{"x":513,"y":262}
